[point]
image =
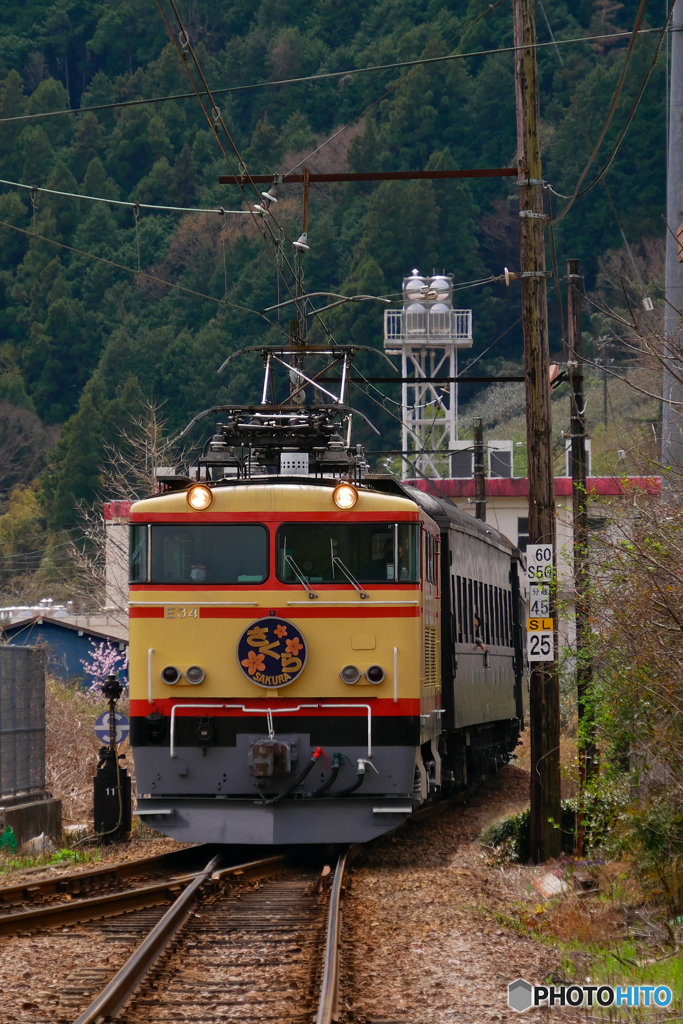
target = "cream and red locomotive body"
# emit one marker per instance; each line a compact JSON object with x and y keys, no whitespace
{"x":304,"y":664}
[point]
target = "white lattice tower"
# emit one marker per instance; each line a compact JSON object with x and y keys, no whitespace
{"x":427,"y":333}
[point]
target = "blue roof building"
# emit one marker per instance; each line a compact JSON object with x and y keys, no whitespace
{"x":67,"y":645}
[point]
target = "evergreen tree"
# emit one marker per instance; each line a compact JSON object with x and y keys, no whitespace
{"x":184,"y":178}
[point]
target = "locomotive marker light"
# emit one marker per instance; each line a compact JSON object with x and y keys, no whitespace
{"x":375,"y":674}
{"x":195,"y":675}
{"x":350,"y":674}
{"x":272,"y":652}
{"x":171,"y":675}
{"x":345,"y":497}
{"x":199,"y":498}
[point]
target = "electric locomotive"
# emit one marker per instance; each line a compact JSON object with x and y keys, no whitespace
{"x":315,"y":650}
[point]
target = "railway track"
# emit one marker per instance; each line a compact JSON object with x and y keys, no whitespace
{"x":100,"y":877}
{"x":258,"y":941}
{"x":112,"y":888}
{"x":254,"y":943}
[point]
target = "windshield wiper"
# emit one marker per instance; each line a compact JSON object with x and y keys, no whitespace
{"x":336,"y":560}
{"x":288,"y":560}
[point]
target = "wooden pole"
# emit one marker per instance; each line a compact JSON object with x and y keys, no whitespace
{"x":544,"y":716}
{"x":307,"y":178}
{"x":479,"y":472}
{"x":579,"y":461}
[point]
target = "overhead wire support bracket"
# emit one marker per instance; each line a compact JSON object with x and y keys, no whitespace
{"x":298,"y":179}
{"x":283,"y":350}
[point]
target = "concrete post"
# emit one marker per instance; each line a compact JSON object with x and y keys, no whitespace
{"x":672,"y":415}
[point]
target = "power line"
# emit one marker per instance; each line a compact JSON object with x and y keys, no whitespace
{"x":118,"y":202}
{"x":263,"y":227}
{"x":396,"y":85}
{"x":615,"y":99}
{"x":316,"y":78}
{"x":139,"y":273}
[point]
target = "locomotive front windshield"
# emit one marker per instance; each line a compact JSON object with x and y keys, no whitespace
{"x":370,"y":551}
{"x":215,"y":553}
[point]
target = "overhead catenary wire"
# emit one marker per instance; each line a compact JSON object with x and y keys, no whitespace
{"x":120,"y":202}
{"x":140,"y":273}
{"x":262,"y":226}
{"x":314,"y":78}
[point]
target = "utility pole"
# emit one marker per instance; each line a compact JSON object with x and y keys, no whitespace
{"x":479,"y":472}
{"x":672,"y":415}
{"x":584,"y":664}
{"x":544,"y":716}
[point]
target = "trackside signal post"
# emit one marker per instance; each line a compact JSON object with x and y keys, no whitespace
{"x":111,"y":785}
{"x":544,"y":713}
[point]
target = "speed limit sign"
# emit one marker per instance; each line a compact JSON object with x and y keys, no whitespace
{"x":540,"y":646}
{"x":539,"y":563}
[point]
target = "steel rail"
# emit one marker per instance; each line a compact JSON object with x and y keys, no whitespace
{"x":108,"y":905}
{"x":119,"y":990}
{"x":330,"y":984}
{"x":124,"y":984}
{"x":103,"y":874}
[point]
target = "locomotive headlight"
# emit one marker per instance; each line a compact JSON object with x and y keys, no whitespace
{"x":345,"y":496}
{"x":199,"y":497}
{"x":171,"y":675}
{"x":350,"y":674}
{"x":195,"y":675}
{"x":375,"y":674}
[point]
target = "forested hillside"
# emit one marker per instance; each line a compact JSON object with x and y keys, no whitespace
{"x":83,"y":344}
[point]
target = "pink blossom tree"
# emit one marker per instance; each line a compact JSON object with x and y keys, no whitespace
{"x":104,"y":660}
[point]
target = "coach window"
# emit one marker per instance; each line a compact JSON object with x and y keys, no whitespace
{"x":371,"y":552}
{"x":469,"y":614}
{"x":211,"y":553}
{"x":459,"y":605}
{"x":431,"y":559}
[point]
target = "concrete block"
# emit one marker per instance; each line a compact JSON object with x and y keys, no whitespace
{"x":28,"y":820}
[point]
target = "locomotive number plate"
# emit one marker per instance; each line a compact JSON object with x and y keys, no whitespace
{"x":181,"y":611}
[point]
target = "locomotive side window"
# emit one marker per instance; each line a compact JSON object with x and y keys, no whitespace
{"x":372,"y":552}
{"x":138,"y":553}
{"x":216,"y":553}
